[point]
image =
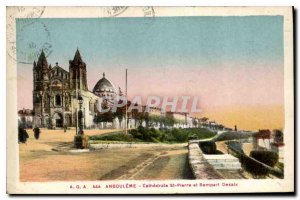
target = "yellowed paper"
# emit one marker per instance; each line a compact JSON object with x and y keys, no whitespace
{"x":228,"y":72}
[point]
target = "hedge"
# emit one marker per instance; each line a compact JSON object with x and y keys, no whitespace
{"x":255,"y":168}
{"x":267,"y":157}
{"x":142,"y":134}
{"x":208,"y":147}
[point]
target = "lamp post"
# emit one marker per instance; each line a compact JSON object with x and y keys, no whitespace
{"x":42,"y":113}
{"x":79,"y":139}
{"x":80,"y":115}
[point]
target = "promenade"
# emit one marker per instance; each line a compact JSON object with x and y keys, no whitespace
{"x":39,"y":162}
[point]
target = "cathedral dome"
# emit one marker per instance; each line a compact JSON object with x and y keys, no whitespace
{"x":104,"y":86}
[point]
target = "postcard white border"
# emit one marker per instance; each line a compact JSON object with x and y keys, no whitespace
{"x":14,"y":186}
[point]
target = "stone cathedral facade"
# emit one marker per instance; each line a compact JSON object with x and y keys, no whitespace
{"x":55,"y":97}
{"x":56,"y":91}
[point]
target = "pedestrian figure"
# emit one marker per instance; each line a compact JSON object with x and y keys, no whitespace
{"x":37,"y":132}
{"x":65,"y":128}
{"x":22,"y":135}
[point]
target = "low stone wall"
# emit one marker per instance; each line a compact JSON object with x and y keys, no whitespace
{"x":110,"y":145}
{"x":200,"y":168}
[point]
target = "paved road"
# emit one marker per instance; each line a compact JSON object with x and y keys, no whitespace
{"x":39,"y":163}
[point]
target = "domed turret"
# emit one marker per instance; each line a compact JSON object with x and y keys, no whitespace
{"x":104,"y":88}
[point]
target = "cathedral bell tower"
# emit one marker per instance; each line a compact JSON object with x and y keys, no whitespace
{"x":40,"y":87}
{"x":77,"y":69}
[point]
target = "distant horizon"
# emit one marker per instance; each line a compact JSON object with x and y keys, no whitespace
{"x":233,"y":64}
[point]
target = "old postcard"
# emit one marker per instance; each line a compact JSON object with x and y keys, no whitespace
{"x":150,"y":100}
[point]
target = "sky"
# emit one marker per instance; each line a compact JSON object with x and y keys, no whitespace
{"x":233,"y":64}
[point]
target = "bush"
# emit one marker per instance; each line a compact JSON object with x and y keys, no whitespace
{"x":118,"y":137}
{"x":193,"y":137}
{"x":169,"y":137}
{"x":141,"y":129}
{"x":267,"y":157}
{"x":255,"y":168}
{"x":100,"y":137}
{"x":208,"y":147}
{"x":162,"y":137}
{"x":154,"y":135}
{"x":200,"y":133}
{"x":133,"y":131}
{"x":154,"y":140}
{"x":179,"y":135}
{"x":136,"y":134}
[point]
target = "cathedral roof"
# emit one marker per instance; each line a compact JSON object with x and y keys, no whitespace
{"x":77,"y":58}
{"x":42,"y":61}
{"x":59,"y":68}
{"x":104,"y":85}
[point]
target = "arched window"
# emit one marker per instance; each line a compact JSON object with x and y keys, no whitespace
{"x":58,"y":100}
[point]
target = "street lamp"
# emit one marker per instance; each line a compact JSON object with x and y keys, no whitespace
{"x":80,"y":140}
{"x":80,"y":115}
{"x":42,"y":113}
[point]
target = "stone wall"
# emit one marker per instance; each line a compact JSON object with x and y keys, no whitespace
{"x":116,"y":145}
{"x":200,"y":168}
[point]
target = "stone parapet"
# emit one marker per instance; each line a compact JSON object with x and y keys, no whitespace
{"x":109,"y":145}
{"x":200,"y":168}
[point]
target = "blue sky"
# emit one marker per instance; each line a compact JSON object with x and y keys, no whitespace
{"x":147,"y":42}
{"x":231,"y":63}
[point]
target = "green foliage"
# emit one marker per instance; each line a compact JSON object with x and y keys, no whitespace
{"x":118,"y":137}
{"x":208,"y":147}
{"x":142,"y":134}
{"x":200,"y":133}
{"x":155,"y":140}
{"x":180,"y":136}
{"x":230,"y":135}
{"x":193,"y":137}
{"x":267,"y":157}
{"x":100,"y":137}
{"x":280,"y":165}
{"x":136,"y":134}
{"x":255,"y":168}
{"x":168,"y":121}
{"x":104,"y":117}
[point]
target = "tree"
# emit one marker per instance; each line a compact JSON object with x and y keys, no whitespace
{"x":152,"y":119}
{"x":104,"y":116}
{"x":168,"y":120}
{"x":139,"y":116}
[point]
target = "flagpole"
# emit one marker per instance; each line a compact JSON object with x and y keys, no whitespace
{"x":126,"y":102}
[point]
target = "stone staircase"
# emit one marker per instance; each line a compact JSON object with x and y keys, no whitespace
{"x":223,"y":161}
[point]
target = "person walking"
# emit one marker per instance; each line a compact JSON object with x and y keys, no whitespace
{"x":22,"y":135}
{"x":65,"y":128}
{"x":37,"y":132}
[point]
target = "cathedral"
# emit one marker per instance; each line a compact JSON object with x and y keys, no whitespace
{"x":59,"y":95}
{"x":56,"y":92}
